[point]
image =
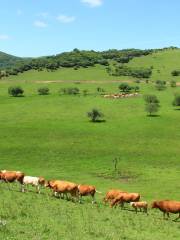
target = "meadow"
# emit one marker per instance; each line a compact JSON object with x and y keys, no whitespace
{"x":51,"y":136}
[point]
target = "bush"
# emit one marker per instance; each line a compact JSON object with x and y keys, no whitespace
{"x":85,"y":92}
{"x":69,"y":91}
{"x":160,"y":85}
{"x":43,"y":91}
{"x":152,"y":104}
{"x":175,"y":73}
{"x":176,"y":101}
{"x":125,"y":88}
{"x":15,"y":91}
{"x":95,"y":115}
{"x":173,"y":83}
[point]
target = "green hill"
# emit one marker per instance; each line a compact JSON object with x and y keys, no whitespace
{"x":161,"y":62}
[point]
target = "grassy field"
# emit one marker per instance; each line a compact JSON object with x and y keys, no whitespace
{"x":51,"y":136}
{"x":163,"y":63}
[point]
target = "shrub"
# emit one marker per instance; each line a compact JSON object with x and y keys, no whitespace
{"x":43,"y":91}
{"x":100,"y":90}
{"x":124,"y":87}
{"x":15,"y":91}
{"x":160,"y":85}
{"x":176,"y":101}
{"x":173,"y":83}
{"x":69,"y":91}
{"x":95,"y":115}
{"x":175,"y":73}
{"x":85,"y":92}
{"x":152,"y":104}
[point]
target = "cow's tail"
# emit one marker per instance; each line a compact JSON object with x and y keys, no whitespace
{"x":98,"y":192}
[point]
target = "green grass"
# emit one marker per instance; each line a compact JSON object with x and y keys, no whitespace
{"x":51,"y":136}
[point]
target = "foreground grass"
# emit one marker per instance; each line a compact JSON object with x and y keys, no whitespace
{"x":52,"y":137}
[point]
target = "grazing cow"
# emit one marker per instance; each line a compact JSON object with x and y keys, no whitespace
{"x":167,"y":206}
{"x":85,"y":190}
{"x":34,"y":181}
{"x":140,"y":205}
{"x":125,"y":197}
{"x":111,"y":195}
{"x":63,"y":187}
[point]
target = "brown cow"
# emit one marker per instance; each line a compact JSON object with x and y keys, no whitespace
{"x":63,"y":187}
{"x":12,"y":176}
{"x":125,"y":197}
{"x":111,"y":195}
{"x":85,"y":190}
{"x":167,"y":206}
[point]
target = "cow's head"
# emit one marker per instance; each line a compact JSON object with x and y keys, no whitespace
{"x":42,"y":181}
{"x":154,"y":204}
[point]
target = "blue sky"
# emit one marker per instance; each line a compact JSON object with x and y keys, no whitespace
{"x":45,"y":27}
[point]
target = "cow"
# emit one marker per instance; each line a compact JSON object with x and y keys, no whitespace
{"x":63,"y":187}
{"x":86,"y":190}
{"x":125,"y":197}
{"x":140,"y":205}
{"x":11,"y":176}
{"x":111,"y":195}
{"x":167,"y":206}
{"x":34,"y":181}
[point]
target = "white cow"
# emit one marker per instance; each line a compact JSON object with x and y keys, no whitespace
{"x":34,"y":181}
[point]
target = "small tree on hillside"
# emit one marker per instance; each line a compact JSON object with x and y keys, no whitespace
{"x":160,"y":85}
{"x":43,"y":91}
{"x":176,"y":101}
{"x":152,"y":104}
{"x":125,"y":88}
{"x":173,"y":83}
{"x":15,"y":91}
{"x":95,"y":115}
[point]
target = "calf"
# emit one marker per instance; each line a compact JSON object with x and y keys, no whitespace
{"x":167,"y":206}
{"x":125,"y":197}
{"x":86,"y":190}
{"x":140,"y":205}
{"x":34,"y":181}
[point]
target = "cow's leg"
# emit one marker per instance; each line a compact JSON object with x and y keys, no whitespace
{"x":22,"y":188}
{"x":37,"y":189}
{"x":93,"y":199}
{"x":136,"y":210}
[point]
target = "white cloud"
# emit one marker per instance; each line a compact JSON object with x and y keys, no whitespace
{"x":4,"y":37}
{"x":93,"y":3}
{"x":40,"y":24}
{"x":66,"y":19}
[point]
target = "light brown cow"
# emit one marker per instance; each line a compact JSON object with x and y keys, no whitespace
{"x":140,"y":205}
{"x":63,"y":187}
{"x":12,"y":176}
{"x":125,"y":197}
{"x":111,"y":195}
{"x":86,"y":190}
{"x":167,"y":206}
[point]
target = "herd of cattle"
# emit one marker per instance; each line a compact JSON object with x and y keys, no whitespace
{"x":74,"y":191}
{"x":121,"y":95}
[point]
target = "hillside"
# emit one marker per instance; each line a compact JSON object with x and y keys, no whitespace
{"x":9,"y":61}
{"x":162,"y":63}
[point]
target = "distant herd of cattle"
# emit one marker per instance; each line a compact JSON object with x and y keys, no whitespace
{"x":74,"y":191}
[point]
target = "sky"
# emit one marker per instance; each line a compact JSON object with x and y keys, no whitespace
{"x":31,"y":28}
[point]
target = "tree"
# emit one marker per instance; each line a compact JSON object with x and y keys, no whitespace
{"x":152,"y":104}
{"x":160,"y":85}
{"x":176,"y":101}
{"x":95,"y":115}
{"x":43,"y":91}
{"x":173,"y":83}
{"x":15,"y":91}
{"x":125,"y":88}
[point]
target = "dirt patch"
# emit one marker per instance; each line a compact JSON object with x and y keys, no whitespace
{"x":121,"y":176}
{"x":84,"y":81}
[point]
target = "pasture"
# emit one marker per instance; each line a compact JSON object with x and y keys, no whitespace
{"x":51,"y":136}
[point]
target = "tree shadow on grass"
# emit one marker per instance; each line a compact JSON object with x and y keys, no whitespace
{"x":98,"y":121}
{"x":153,"y":116}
